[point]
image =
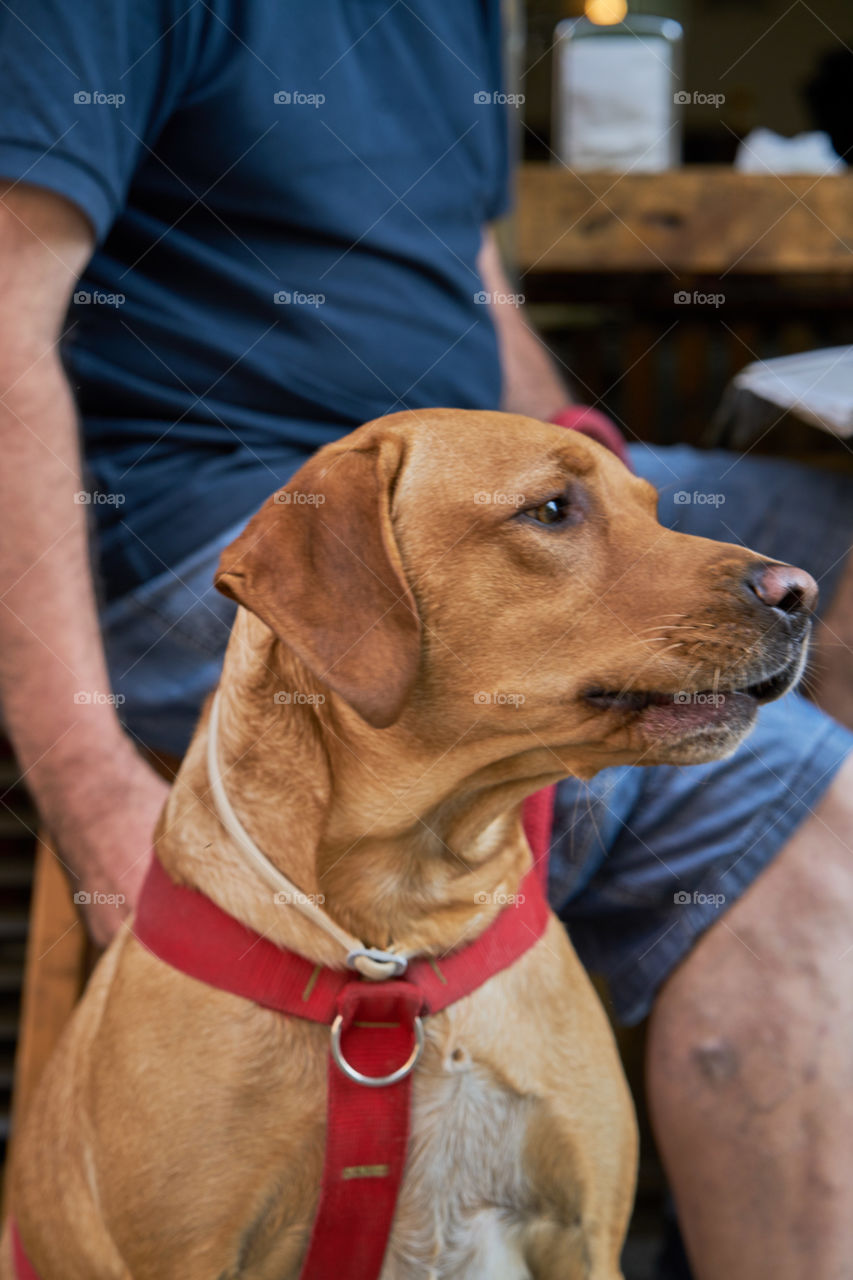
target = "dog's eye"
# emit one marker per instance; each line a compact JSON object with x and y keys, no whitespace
{"x":554,"y":511}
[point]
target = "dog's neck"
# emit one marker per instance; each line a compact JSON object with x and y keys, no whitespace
{"x":400,"y":847}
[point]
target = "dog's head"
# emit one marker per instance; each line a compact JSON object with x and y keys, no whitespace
{"x":480,"y":575}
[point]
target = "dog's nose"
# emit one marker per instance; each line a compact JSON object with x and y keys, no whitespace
{"x":784,"y":588}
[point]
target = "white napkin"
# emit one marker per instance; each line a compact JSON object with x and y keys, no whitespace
{"x":763,"y":151}
{"x":816,"y":386}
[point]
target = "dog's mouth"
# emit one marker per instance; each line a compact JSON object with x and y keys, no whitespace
{"x":684,"y":712}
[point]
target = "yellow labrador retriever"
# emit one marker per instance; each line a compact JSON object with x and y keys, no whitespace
{"x":441,"y":614}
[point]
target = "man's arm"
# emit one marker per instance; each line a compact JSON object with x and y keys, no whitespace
{"x":532,"y":383}
{"x":97,"y":796}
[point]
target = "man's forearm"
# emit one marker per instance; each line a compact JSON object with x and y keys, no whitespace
{"x":94,"y":791}
{"x":532,"y":384}
{"x":52,"y":669}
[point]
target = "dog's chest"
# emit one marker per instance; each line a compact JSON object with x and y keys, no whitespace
{"x":465,"y":1195}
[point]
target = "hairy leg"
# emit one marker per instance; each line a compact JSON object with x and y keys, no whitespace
{"x":751,"y":1067}
{"x":831,"y":682}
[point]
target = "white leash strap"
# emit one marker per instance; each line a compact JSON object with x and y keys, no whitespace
{"x":368,"y":961}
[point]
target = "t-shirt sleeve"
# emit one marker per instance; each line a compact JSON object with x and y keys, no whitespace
{"x":85,"y":89}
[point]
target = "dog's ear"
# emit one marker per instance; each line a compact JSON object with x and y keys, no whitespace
{"x":319,"y":564}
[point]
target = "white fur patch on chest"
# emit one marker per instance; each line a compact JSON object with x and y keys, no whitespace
{"x":464,"y":1200}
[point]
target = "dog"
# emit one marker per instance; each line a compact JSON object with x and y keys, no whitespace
{"x":439,"y":615}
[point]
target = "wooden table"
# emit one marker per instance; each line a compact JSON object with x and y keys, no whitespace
{"x":605,"y":259}
{"x":706,"y":220}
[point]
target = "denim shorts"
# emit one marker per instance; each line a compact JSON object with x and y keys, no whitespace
{"x":643,"y":860}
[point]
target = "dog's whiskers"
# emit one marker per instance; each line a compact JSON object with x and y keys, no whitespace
{"x":677,"y":644}
{"x":631,"y":684}
{"x":676,"y":626}
{"x":689,"y":679}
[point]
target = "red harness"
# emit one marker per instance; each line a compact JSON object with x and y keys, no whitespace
{"x":376,"y":1038}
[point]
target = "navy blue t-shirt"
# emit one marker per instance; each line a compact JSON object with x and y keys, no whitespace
{"x":288,"y":199}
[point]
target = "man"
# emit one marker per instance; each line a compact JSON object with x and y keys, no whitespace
{"x":271,"y":218}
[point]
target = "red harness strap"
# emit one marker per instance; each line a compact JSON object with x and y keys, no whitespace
{"x":375,"y":1041}
{"x":20,"y":1261}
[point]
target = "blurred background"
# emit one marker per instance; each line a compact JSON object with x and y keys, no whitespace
{"x":682,"y":238}
{"x":751,"y":222}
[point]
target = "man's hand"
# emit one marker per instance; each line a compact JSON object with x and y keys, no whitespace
{"x":102,"y":818}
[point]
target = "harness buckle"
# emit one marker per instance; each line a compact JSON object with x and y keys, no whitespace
{"x":397,"y":964}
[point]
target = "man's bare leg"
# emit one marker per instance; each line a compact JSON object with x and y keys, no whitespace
{"x":831,"y":667}
{"x":750,"y":1069}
